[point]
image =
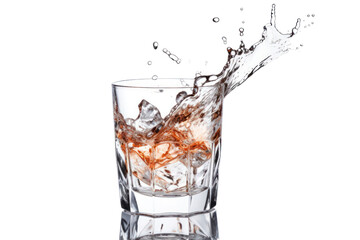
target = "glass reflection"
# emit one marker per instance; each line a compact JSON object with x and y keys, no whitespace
{"x":199,"y":226}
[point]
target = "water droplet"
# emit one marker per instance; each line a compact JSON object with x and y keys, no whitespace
{"x":301,"y":45}
{"x":216,"y":19}
{"x":308,"y":25}
{"x":241,"y":30}
{"x":180,"y":97}
{"x":241,"y":9}
{"x":149,"y":62}
{"x":243,"y":22}
{"x":224,"y":40}
{"x":165,"y":51}
{"x":155,"y":45}
{"x":313,"y":15}
{"x":178,"y":61}
{"x":312,"y":22}
{"x":161,"y":90}
{"x":308,"y":15}
{"x":154,"y":77}
{"x":305,"y":26}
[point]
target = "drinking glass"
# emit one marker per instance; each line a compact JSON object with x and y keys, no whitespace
{"x":167,"y":142}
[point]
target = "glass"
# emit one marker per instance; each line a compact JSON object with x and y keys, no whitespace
{"x":167,"y":163}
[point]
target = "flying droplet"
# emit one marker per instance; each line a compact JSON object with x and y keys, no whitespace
{"x":224,"y":40}
{"x":301,"y":45}
{"x":178,"y":61}
{"x":313,"y":15}
{"x":155,"y":45}
{"x":216,"y":19}
{"x":166,"y":51}
{"x":149,"y":62}
{"x":312,"y":22}
{"x":243,"y":22}
{"x":241,"y":30}
{"x":241,"y":9}
{"x":161,"y":90}
{"x":197,"y":74}
{"x":154,"y":77}
{"x":308,"y":15}
{"x":206,"y":62}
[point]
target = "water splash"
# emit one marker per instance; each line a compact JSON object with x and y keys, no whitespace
{"x":216,"y":19}
{"x":241,"y":30}
{"x":172,"y":56}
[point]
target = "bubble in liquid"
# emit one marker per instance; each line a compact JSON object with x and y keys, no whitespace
{"x":149,"y":62}
{"x":154,"y":77}
{"x":241,"y":30}
{"x":216,"y":19}
{"x":224,"y":40}
{"x":155,"y":45}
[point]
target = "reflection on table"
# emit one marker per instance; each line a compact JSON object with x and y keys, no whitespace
{"x":199,"y":226}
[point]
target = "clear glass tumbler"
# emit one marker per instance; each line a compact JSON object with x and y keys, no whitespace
{"x":168,"y":139}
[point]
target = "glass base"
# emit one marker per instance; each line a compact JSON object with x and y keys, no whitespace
{"x":197,"y":226}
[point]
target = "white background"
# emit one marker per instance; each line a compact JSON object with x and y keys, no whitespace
{"x":291,"y":136}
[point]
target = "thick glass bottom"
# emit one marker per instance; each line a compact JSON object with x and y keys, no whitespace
{"x":170,"y":204}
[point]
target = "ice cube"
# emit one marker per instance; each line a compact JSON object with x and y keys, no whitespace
{"x":149,"y":117}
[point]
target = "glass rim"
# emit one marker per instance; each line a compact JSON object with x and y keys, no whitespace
{"x":118,"y":84}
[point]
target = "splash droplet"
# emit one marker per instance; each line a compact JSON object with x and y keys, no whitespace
{"x":155,"y":45}
{"x":154,"y":77}
{"x":216,"y":19}
{"x":224,"y":40}
{"x":166,"y":51}
{"x":241,"y":30}
{"x":180,"y":97}
{"x":149,"y":62}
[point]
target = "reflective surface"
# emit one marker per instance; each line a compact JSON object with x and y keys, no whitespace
{"x":201,"y":226}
